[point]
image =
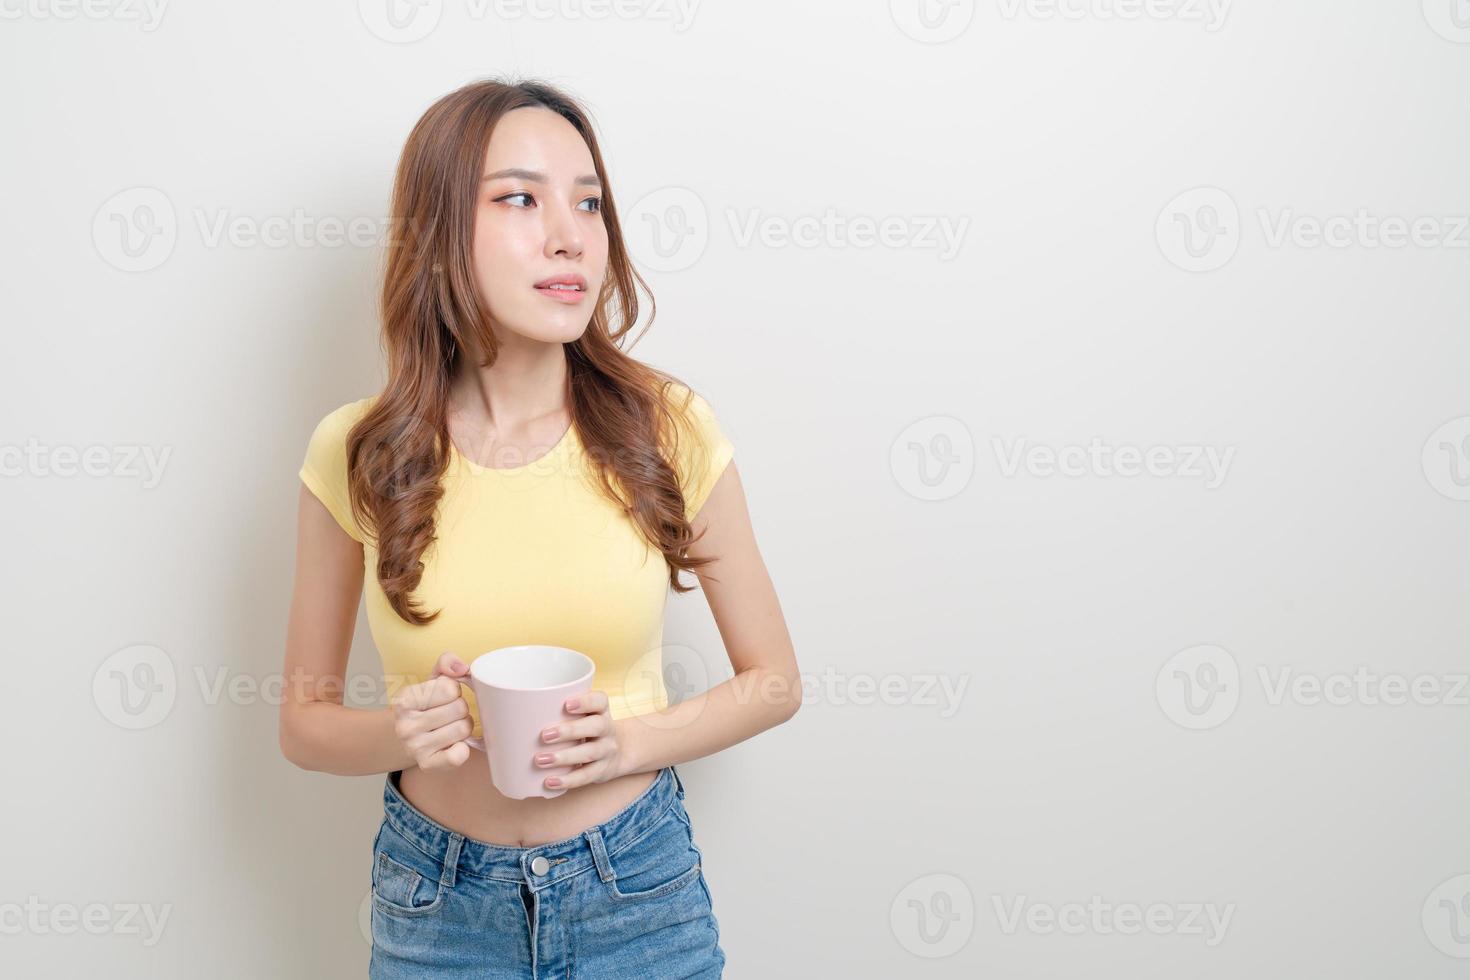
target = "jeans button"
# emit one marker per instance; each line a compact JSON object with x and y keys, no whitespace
{"x":539,"y":865}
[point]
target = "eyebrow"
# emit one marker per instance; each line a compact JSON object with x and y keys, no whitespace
{"x":537,"y":176}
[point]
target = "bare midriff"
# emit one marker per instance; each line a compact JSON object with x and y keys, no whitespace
{"x":464,"y":799}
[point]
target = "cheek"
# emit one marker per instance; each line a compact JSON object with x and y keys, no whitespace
{"x":503,"y":257}
{"x":596,"y":255}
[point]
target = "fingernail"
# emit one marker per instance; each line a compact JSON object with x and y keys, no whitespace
{"x":573,"y":704}
{"x":549,"y":734}
{"x":544,"y":759}
{"x":553,"y":782}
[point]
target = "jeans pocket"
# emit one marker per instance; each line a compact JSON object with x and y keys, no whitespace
{"x":660,"y":863}
{"x":404,"y":881}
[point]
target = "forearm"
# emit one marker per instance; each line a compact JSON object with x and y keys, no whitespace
{"x":323,"y":736}
{"x":728,"y":713}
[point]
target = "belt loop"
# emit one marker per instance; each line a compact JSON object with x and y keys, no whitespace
{"x":678,"y":783}
{"x":599,"y":854}
{"x":451,"y":859}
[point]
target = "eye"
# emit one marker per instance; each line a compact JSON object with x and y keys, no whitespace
{"x":595,"y":201}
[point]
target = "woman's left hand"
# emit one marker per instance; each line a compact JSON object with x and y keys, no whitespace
{"x":596,"y":760}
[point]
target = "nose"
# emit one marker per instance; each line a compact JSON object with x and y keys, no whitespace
{"x":563,"y":233}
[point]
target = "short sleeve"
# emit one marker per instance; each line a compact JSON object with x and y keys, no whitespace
{"x":324,"y":470}
{"x":702,"y":461}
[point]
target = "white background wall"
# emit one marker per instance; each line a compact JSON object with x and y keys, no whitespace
{"x":1118,"y":178}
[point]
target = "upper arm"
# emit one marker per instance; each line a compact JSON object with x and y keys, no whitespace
{"x":703,"y":452}
{"x":327,"y":585}
{"x":738,"y":587}
{"x":325,"y":594}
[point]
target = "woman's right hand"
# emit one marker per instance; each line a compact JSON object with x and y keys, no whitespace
{"x":432,"y":719}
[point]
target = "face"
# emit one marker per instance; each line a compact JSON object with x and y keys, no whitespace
{"x":539,"y":221}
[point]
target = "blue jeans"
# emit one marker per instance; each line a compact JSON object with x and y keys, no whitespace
{"x":624,"y":898}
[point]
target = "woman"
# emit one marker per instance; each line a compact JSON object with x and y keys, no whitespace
{"x":517,"y":481}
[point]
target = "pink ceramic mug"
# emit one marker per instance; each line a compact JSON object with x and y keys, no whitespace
{"x":520,"y":691}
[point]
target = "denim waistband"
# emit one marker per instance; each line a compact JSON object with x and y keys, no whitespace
{"x":455,"y":852}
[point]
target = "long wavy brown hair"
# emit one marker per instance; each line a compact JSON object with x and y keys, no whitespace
{"x":622,"y":409}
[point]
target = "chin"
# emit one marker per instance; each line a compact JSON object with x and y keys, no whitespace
{"x":563,"y":332}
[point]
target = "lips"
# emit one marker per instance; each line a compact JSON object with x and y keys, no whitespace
{"x":571,"y":280}
{"x":569,"y":289}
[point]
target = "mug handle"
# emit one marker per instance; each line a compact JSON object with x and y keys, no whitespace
{"x":474,"y":741}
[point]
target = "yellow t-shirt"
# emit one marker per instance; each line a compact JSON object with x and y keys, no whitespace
{"x":528,"y":554}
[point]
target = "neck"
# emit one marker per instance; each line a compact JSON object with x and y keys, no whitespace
{"x":528,"y":381}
